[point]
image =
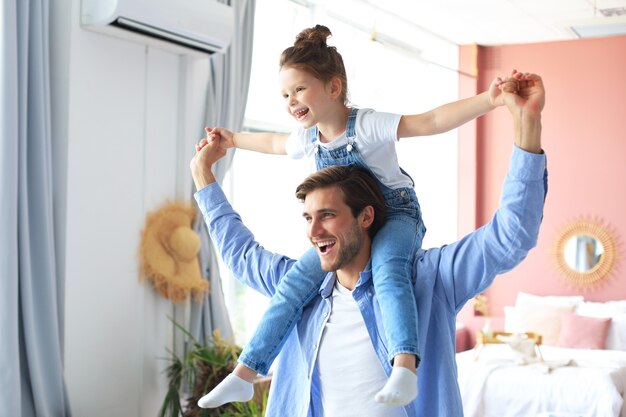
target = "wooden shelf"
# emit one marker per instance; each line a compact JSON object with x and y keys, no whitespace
{"x":483,"y":339}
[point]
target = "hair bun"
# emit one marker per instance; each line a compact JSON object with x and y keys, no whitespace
{"x":315,"y":36}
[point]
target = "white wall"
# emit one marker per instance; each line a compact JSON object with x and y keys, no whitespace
{"x":125,"y":117}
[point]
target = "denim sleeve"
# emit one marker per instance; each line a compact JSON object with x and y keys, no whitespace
{"x":250,"y":263}
{"x":468,"y":266}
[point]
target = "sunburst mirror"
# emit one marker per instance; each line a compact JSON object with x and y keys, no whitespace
{"x":585,"y":252}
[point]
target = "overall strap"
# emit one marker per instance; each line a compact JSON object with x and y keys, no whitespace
{"x":313,"y":133}
{"x":350,"y":128}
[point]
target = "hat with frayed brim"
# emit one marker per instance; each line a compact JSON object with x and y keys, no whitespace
{"x":169,"y":252}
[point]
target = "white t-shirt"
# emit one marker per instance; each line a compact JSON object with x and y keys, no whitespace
{"x":350,"y":373}
{"x":376,"y":137}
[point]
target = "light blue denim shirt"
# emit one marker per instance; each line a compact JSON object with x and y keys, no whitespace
{"x":448,"y":277}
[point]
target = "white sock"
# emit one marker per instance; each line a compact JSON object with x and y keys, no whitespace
{"x":400,"y":389}
{"x":232,"y":388}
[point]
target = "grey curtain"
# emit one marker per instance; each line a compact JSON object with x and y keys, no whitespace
{"x":226,"y":103}
{"x":31,"y":290}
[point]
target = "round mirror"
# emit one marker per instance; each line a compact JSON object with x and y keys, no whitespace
{"x":585,"y":252}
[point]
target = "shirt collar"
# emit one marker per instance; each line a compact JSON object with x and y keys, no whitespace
{"x":326,"y":289}
{"x":365,"y":279}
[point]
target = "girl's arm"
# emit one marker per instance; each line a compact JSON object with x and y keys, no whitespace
{"x":273,"y":143}
{"x":452,"y":115}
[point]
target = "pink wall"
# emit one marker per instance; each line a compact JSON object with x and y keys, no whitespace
{"x":584,"y":136}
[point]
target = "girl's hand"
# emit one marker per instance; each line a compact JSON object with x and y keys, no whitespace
{"x":499,"y":85}
{"x":203,"y":142}
{"x":226,"y":137}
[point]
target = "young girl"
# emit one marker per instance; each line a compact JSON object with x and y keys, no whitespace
{"x":313,"y":83}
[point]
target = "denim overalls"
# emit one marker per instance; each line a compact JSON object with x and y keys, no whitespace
{"x":393,"y":249}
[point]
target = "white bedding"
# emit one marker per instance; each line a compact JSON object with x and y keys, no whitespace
{"x":495,"y":386}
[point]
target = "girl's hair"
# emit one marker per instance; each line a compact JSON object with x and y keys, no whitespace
{"x":311,"y":53}
{"x":358,"y":186}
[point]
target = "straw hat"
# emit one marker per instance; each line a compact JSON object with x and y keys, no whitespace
{"x":169,"y":252}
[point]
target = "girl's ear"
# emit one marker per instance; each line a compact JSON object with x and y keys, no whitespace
{"x":335,"y":87}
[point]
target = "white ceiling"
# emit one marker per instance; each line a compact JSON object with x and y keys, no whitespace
{"x":486,"y":22}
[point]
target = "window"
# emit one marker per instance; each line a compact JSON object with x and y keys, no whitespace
{"x":388,"y":75}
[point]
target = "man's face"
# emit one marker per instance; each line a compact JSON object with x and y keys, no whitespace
{"x":335,"y":234}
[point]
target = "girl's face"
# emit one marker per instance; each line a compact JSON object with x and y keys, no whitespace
{"x":307,"y":99}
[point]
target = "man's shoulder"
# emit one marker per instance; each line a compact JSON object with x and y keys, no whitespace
{"x":426,"y":266}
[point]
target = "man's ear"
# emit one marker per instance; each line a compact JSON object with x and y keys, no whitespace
{"x":366,"y":218}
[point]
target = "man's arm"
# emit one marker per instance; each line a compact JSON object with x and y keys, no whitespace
{"x":201,"y":165}
{"x":526,"y":106}
{"x":250,"y":262}
{"x":469,"y":266}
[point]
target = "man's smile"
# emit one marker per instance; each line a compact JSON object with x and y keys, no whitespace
{"x":325,"y":245}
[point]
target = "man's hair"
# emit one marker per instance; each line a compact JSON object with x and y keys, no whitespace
{"x":358,"y":186}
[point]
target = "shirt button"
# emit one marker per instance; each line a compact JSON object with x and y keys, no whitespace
{"x":402,"y":193}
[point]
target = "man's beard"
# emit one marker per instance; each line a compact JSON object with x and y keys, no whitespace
{"x":350,"y":246}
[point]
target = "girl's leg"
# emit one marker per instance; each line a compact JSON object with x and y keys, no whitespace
{"x":295,"y":290}
{"x":235,"y":387}
{"x":392,"y":258}
{"x":401,"y":387}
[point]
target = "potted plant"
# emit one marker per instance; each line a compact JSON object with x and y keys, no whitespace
{"x":202,"y":367}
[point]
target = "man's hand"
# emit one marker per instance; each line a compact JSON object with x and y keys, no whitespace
{"x":526,"y":106}
{"x":530,"y":98}
{"x":207,"y":153}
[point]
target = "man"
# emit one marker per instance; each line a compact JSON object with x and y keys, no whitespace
{"x":334,"y":358}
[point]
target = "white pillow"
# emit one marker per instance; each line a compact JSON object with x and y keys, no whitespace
{"x":512,"y":322}
{"x":605,"y":309}
{"x":616,"y":338}
{"x":543,"y":319}
{"x":544,"y":314}
{"x":617,"y":307}
{"x":557,"y":300}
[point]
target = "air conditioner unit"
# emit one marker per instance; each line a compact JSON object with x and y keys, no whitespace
{"x":201,"y":25}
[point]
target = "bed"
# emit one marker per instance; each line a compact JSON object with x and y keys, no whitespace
{"x":580,"y":370}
